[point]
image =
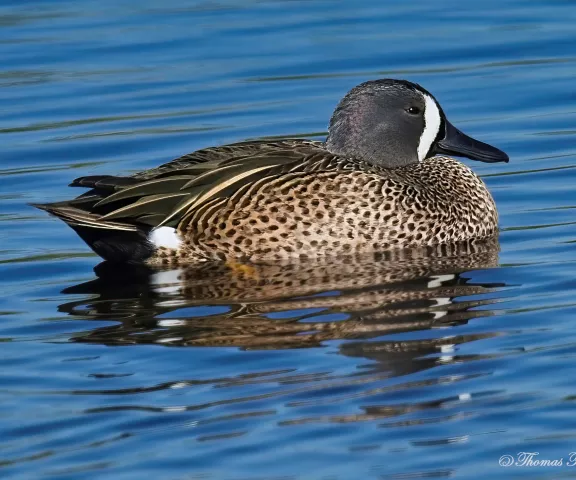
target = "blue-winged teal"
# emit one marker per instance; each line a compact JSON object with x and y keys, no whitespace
{"x":379,"y":182}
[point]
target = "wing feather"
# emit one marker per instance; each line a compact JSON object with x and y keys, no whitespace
{"x":180,"y":190}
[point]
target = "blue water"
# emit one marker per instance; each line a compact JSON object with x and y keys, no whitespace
{"x":377,"y":369}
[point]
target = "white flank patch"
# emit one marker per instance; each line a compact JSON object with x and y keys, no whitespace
{"x":164,"y":237}
{"x":432,"y":123}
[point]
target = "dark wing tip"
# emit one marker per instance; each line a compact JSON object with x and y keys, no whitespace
{"x":41,"y":206}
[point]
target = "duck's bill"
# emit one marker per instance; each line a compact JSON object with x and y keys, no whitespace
{"x":457,"y":143}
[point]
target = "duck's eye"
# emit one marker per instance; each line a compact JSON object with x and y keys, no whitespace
{"x":413,"y":110}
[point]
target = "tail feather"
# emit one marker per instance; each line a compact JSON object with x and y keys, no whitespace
{"x":77,"y":217}
{"x":105,"y":182}
{"x":112,"y":240}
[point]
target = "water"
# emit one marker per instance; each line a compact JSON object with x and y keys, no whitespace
{"x":430,"y":366}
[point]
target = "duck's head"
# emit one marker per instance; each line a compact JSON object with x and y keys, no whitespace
{"x":392,"y":123}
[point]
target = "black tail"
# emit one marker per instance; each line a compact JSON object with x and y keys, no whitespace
{"x":113,"y":241}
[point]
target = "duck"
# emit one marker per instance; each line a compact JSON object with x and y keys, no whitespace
{"x":383,"y":179}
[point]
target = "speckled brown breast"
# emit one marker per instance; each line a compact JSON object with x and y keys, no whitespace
{"x":309,"y":214}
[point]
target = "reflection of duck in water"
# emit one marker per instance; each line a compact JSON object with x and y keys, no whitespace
{"x":374,"y":185}
{"x":278,"y":305}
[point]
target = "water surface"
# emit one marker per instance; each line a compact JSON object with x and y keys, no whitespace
{"x":428,"y":365}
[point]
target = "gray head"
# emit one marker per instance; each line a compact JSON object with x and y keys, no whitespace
{"x":392,"y":123}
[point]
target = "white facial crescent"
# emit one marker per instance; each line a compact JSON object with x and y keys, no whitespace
{"x":432,"y":122}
